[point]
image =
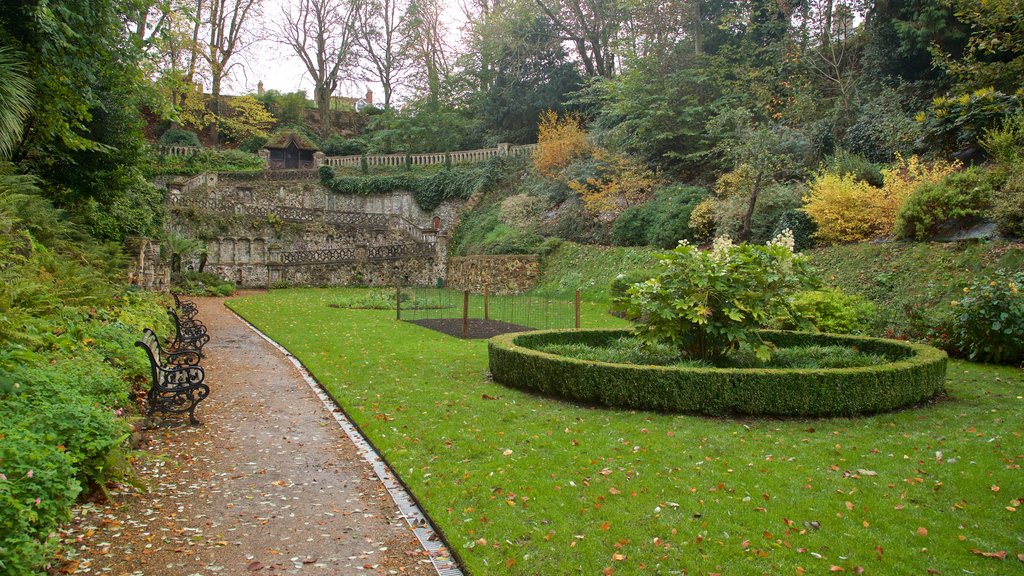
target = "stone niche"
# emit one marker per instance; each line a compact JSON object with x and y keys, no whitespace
{"x":511,"y":274}
{"x":261,"y":229}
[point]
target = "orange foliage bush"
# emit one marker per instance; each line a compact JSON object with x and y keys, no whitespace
{"x":621,"y":182}
{"x":560,"y":140}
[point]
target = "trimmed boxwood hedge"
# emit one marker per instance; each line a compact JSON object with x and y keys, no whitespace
{"x":916,"y":373}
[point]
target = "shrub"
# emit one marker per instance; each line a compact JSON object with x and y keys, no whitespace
{"x":618,"y":183}
{"x":560,"y":140}
{"x":252,"y":144}
{"x":632,"y":226}
{"x":848,"y":210}
{"x":340,"y":146}
{"x":708,"y":303}
{"x":960,"y":196}
{"x":179,"y":137}
{"x":428,"y":190}
{"x":1008,"y":204}
{"x":662,"y":222}
{"x":702,"y":221}
{"x":989,"y":319}
{"x":830,"y":310}
{"x":248,"y":118}
{"x":1006,"y":143}
{"x":205,"y":284}
{"x":915,"y":373}
{"x":773,"y":201}
{"x":846,"y":163}
{"x":884,"y":127}
{"x":800,"y":225}
{"x":521,"y":211}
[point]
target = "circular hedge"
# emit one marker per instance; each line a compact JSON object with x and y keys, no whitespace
{"x":916,"y":373}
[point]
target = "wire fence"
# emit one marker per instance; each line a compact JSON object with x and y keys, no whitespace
{"x":464,"y":311}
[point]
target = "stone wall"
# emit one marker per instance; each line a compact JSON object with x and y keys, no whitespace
{"x":510,"y":274}
{"x":148,"y":270}
{"x":284,"y":227}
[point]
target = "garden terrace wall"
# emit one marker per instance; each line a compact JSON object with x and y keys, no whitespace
{"x":916,"y":373}
{"x":507,"y":274}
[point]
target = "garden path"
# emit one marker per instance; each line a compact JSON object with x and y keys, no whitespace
{"x":269,"y":483}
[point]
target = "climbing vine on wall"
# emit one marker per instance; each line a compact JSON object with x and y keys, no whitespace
{"x":429,"y":191}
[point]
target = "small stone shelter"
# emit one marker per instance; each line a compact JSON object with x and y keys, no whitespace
{"x":288,"y":150}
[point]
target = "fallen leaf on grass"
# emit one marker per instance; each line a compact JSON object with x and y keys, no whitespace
{"x":1000,"y":554}
{"x":922,"y":531}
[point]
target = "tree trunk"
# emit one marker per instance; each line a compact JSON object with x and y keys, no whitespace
{"x":748,"y":217}
{"x":215,"y":94}
{"x":323,"y":104}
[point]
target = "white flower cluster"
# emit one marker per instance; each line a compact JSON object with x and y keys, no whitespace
{"x":784,"y":238}
{"x":721,"y":246}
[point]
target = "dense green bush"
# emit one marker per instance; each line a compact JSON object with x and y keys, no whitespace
{"x":661,"y":222}
{"x":802,"y":227}
{"x":960,"y":196}
{"x":988,"y":323}
{"x":204,"y":284}
{"x":709,"y":303}
{"x":915,"y":373}
{"x":207,"y":160}
{"x":341,"y":146}
{"x":252,"y":144}
{"x":830,"y":310}
{"x":1008,"y":203}
{"x":428,"y":190}
{"x":845,"y":163}
{"x":179,"y":137}
{"x":884,"y":126}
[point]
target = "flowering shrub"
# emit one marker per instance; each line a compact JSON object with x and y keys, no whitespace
{"x":708,"y":303}
{"x":989,"y":319}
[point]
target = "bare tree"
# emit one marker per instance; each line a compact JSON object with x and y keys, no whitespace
{"x":321,"y":33}
{"x":226,"y":22}
{"x":379,"y":27}
{"x":591,"y":26}
{"x":426,"y":44}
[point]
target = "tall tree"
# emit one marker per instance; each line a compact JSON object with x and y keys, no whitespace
{"x":427,"y":46}
{"x":379,"y":27}
{"x":227,"y":24}
{"x":322,"y":34}
{"x":591,"y":26}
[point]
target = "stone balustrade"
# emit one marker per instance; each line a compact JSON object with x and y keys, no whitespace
{"x":429,"y":159}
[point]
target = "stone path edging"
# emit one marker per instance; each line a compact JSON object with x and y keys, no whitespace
{"x":430,"y":538}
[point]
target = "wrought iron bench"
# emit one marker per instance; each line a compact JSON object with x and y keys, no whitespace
{"x":175,"y":389}
{"x":188,"y":334}
{"x":167,"y":357}
{"x":188,"y":308}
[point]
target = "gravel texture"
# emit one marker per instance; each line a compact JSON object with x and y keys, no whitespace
{"x":268,"y":484}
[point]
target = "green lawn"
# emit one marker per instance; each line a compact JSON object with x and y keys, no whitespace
{"x":527,"y":485}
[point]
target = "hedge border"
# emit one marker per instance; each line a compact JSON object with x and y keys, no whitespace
{"x":917,"y":374}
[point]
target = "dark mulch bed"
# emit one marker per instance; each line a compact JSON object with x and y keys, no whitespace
{"x":477,"y":328}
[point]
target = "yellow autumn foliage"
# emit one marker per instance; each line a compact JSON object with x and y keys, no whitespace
{"x":620,"y":182}
{"x":560,"y":140}
{"x":849,"y":210}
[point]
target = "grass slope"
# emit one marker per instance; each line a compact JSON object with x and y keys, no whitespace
{"x":590,"y":268}
{"x":527,"y":485}
{"x":913,"y":283}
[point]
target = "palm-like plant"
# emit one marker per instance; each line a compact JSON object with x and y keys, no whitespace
{"x":15,"y":101}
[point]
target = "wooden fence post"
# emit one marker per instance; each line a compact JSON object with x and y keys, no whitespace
{"x":398,"y":300}
{"x":577,"y":309}
{"x":465,"y":314}
{"x":487,"y":312}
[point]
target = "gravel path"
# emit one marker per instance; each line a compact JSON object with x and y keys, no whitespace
{"x":269,"y":483}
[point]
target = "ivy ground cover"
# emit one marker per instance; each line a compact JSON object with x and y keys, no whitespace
{"x":522,"y":484}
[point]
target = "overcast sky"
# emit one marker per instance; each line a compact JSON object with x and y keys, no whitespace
{"x":280,"y":69}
